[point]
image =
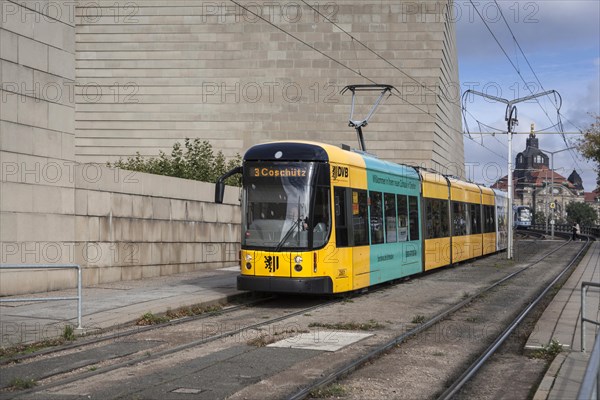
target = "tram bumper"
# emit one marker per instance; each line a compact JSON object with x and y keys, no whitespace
{"x":320,"y":285}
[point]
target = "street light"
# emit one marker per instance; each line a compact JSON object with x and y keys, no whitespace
{"x":510,"y":116}
{"x":552,"y":153}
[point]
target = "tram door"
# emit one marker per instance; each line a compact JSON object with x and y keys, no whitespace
{"x":342,"y":273}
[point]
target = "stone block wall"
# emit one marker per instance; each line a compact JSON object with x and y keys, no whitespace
{"x":132,"y":226}
{"x":37,"y":136}
{"x":128,"y":226}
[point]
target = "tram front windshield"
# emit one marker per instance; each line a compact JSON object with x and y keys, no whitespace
{"x":524,"y":214}
{"x":286,"y":205}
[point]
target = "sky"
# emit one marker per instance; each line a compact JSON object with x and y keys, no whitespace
{"x":561,"y":40}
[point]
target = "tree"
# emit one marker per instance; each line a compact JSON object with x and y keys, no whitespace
{"x":582,"y":213}
{"x":195,"y":160}
{"x":589,"y":145}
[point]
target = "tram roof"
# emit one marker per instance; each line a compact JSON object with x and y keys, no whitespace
{"x":315,"y":151}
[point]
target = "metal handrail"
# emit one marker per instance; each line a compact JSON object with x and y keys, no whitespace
{"x":49,"y":266}
{"x":584,"y":289}
{"x":586,"y":230}
{"x":591,"y":378}
{"x":590,"y":386}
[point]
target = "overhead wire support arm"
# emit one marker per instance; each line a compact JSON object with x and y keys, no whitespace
{"x":358,"y":124}
{"x":511,"y":119}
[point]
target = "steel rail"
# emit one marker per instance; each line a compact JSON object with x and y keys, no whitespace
{"x":132,"y":329}
{"x":473,"y":368}
{"x":390,"y":344}
{"x":166,"y":352}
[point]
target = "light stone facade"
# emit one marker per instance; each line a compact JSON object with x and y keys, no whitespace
{"x":154,"y":72}
{"x":37,"y":134}
{"x":126,"y":225}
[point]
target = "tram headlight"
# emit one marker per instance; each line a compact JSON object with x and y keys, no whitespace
{"x":248,"y":257}
{"x":298,"y":259}
{"x":298,"y":267}
{"x":248,"y":266}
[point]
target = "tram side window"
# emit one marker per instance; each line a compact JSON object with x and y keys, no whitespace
{"x":402,"y":218}
{"x":436,"y":219}
{"x":321,"y":217}
{"x":413,"y":222}
{"x":390,"y":218}
{"x":488,"y":216}
{"x":475,"y":215}
{"x":341,"y":227}
{"x":492,"y":223}
{"x":459,"y":219}
{"x":376,"y":217}
{"x":360,"y":220}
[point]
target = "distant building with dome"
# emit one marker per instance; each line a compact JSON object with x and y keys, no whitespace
{"x":536,"y":185}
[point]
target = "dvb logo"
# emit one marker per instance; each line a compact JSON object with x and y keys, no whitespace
{"x":339,"y":172}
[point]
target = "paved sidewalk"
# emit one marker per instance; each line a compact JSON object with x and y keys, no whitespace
{"x":113,"y":304}
{"x":561,"y":321}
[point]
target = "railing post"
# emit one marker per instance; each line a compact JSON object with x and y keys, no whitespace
{"x":583,"y":293}
{"x":79,"y":297}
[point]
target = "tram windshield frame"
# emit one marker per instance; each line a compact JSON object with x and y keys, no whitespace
{"x":523,"y":214}
{"x":285,"y":205}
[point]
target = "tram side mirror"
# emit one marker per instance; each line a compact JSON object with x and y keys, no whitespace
{"x":220,"y":184}
{"x":219,"y":192}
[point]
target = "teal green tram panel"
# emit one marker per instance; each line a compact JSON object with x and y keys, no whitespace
{"x":394,"y":214}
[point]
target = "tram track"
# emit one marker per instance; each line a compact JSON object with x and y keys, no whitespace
{"x":116,"y":364}
{"x":355,"y":364}
{"x":525,"y":234}
{"x":187,"y":350}
{"x":451,"y":391}
{"x":124,"y":332}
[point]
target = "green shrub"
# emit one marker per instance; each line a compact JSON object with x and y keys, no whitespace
{"x":195,"y":160}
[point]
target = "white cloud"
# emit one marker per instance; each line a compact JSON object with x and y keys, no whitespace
{"x":541,"y":26}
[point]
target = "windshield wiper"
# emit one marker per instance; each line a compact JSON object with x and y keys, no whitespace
{"x":288,"y":234}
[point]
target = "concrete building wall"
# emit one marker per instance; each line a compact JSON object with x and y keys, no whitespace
{"x":37,"y":131}
{"x":154,"y":72}
{"x":128,"y":226}
{"x":133,"y":225}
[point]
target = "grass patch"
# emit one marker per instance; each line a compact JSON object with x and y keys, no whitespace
{"x":349,"y":326}
{"x":194,"y":310}
{"x":22,"y":383}
{"x":261,"y":341}
{"x":68,"y":333}
{"x":465,"y":295}
{"x":151,"y":319}
{"x":418,"y":319}
{"x":333,"y":390}
{"x":549,"y":351}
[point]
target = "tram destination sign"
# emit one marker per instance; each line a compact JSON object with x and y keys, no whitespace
{"x":278,"y":171}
